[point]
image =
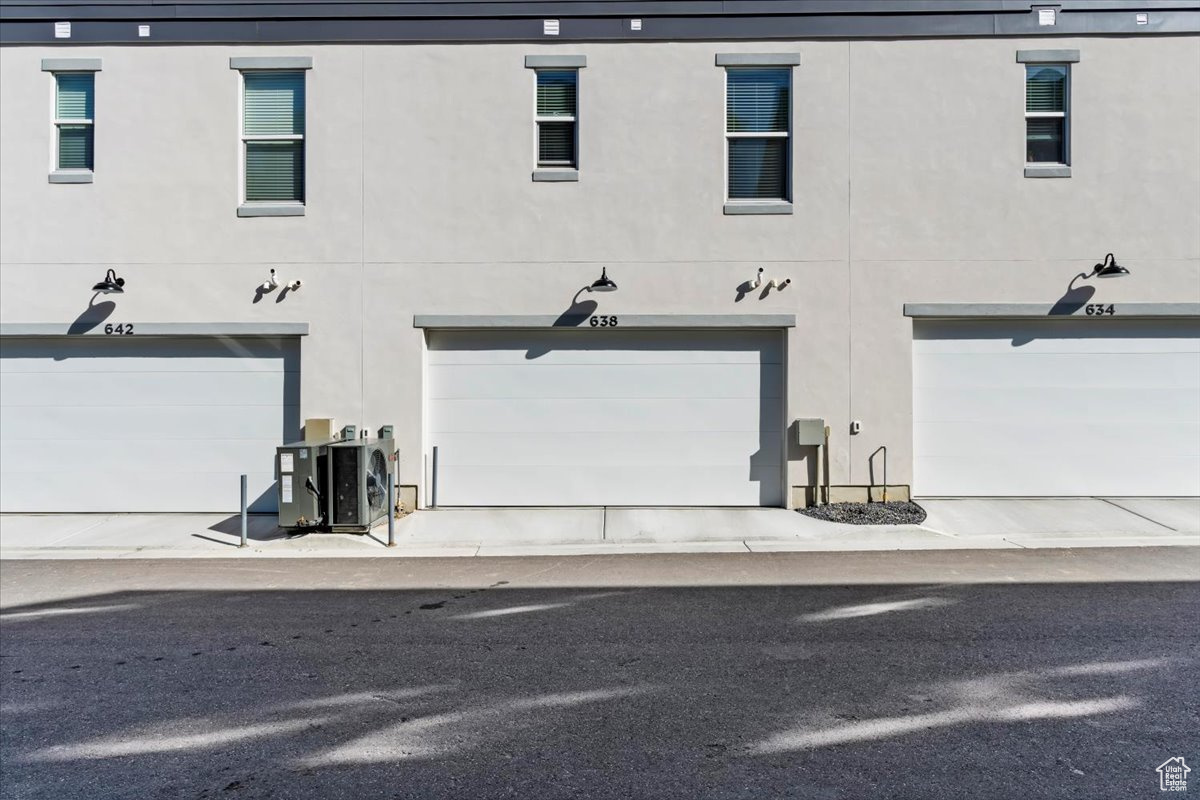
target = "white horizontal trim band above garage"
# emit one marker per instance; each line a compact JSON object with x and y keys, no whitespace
{"x":567,"y":321}
{"x":1060,"y":310}
{"x":142,"y":329}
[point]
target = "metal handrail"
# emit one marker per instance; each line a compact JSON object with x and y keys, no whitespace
{"x":882,"y":447}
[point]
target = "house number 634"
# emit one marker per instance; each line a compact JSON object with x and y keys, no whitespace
{"x":604,"y":322}
{"x":1099,"y":309}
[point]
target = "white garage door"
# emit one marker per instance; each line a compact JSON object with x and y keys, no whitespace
{"x":1057,"y":408}
{"x":129,"y":424}
{"x":587,"y":417}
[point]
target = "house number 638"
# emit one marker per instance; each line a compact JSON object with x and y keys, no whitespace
{"x":120,"y":329}
{"x":604,"y":322}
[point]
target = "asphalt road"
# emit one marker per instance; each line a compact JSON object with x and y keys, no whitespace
{"x":935,"y":675}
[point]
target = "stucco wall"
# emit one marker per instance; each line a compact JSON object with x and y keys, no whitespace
{"x":908,"y":187}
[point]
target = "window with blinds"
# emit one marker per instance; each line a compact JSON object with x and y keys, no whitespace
{"x":273,"y":136}
{"x":556,"y":117}
{"x":75,"y":120}
{"x":757,"y":132}
{"x":1046,"y":107}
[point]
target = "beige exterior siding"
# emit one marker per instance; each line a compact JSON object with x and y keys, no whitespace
{"x":907,"y":175}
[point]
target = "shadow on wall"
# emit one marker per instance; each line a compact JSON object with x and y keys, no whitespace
{"x":579,"y":312}
{"x":264,"y":504}
{"x":748,"y":287}
{"x":744,"y":289}
{"x":767,"y":466}
{"x":260,"y":292}
{"x":809,"y":454}
{"x":1075,"y":298}
{"x":93,"y":315}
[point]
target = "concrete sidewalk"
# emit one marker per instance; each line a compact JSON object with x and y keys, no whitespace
{"x":951,"y":525}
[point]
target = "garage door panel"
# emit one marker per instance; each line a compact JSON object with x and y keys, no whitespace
{"x":611,"y":381}
{"x":79,"y":424}
{"x":1023,"y":477}
{"x":1053,"y":404}
{"x":981,"y":344}
{"x":137,"y":492}
{"x":147,"y":354}
{"x":626,"y":486}
{"x":608,"y":449}
{"x":1056,"y":408}
{"x":607,"y":417}
{"x":97,"y":389}
{"x":566,"y":357}
{"x":227,"y":456}
{"x":618,"y":347}
{"x":127,"y":362}
{"x":1056,"y":336}
{"x":1070,"y":444}
{"x":1083,"y":370}
{"x":570,"y":416}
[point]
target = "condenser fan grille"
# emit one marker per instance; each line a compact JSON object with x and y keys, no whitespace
{"x":345,"y":485}
{"x":377,"y":483}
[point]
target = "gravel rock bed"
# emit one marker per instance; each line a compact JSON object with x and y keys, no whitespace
{"x":868,"y":513}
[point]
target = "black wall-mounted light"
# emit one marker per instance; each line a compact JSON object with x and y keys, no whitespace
{"x":1109,"y":268}
{"x":603,"y":283}
{"x":111,"y":284}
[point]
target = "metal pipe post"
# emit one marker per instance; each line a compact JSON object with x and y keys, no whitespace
{"x":885,"y":474}
{"x":391,"y":512}
{"x":433,"y":480}
{"x":881,"y":449}
{"x":827,"y":487}
{"x":243,"y":544}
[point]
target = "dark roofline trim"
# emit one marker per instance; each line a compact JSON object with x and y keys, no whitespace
{"x":442,"y":9}
{"x":274,"y":27}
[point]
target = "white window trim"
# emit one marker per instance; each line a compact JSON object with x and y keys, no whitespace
{"x":776,"y":205}
{"x":540,"y":166}
{"x":70,"y":175}
{"x":1064,"y":115}
{"x":269,"y":208}
{"x":58,"y":126}
{"x":56,"y":67}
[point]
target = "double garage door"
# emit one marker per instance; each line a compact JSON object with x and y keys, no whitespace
{"x":1057,"y":408}
{"x":603,"y":417}
{"x":143,"y":424}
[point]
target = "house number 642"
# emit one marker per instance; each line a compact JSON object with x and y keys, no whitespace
{"x":604,"y":322}
{"x":120,"y":329}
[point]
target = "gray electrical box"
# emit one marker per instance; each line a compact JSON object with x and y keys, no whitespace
{"x":302,"y":468}
{"x":810,"y":432}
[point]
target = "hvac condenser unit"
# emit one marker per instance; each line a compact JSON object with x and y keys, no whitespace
{"x":358,"y":475}
{"x":303,"y":470}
